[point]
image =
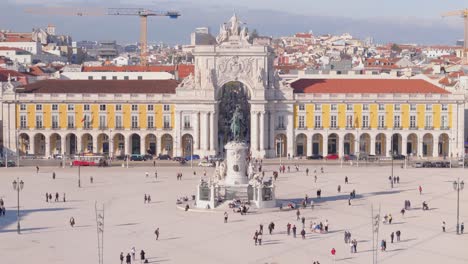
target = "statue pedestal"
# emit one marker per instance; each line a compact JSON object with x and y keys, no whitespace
{"x":236,"y":164}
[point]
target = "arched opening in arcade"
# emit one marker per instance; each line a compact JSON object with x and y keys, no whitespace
{"x":23,"y":144}
{"x":167,"y":145}
{"x":150,"y":144}
{"x":39,"y":144}
{"x":55,"y":144}
{"x":231,"y":96}
{"x":119,"y":144}
{"x":103,"y":143}
{"x":349,"y":144}
{"x":281,"y":145}
{"x":333,"y":144}
{"x":428,"y":144}
{"x":87,"y":143}
{"x":364,"y":143}
{"x":396,"y":144}
{"x":317,"y":144}
{"x":187,"y":145}
{"x":135,"y":144}
{"x":412,"y":145}
{"x":71,"y":146}
{"x":301,"y":145}
{"x":380,"y":145}
{"x":444,"y":143}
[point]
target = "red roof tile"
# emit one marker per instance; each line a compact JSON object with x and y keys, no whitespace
{"x":102,"y":86}
{"x":365,"y":86}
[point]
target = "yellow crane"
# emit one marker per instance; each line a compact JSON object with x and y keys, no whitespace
{"x":464,"y":14}
{"x":141,"y":12}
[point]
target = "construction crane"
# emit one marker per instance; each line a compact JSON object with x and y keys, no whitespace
{"x":464,"y":14}
{"x":141,"y":12}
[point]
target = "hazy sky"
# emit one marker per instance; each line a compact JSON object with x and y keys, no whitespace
{"x":404,"y":21}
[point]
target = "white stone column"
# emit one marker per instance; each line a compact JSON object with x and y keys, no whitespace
{"x":196,"y":131}
{"x":388,"y":145}
{"x":308,"y":145}
{"x":262,"y":132}
{"x":325,"y":145}
{"x":420,"y":147}
{"x":290,"y":133}
{"x":95,"y":144}
{"x":177,"y":134}
{"x":142,"y":145}
{"x":204,"y":131}
{"x":356,"y":145}
{"x":127,"y":144}
{"x":404,"y":145}
{"x":271,"y":130}
{"x":213,"y":132}
{"x":435,"y":147}
{"x":341,"y":145}
{"x":32,"y":149}
{"x":47,"y":146}
{"x":158,"y":145}
{"x":253,"y":131}
{"x":372,"y":145}
{"x":63,"y":141}
{"x":79,"y":148}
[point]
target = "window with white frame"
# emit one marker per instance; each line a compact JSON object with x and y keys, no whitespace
{"x":301,"y":107}
{"x":318,"y":107}
{"x":412,"y":107}
{"x":86,"y":121}
{"x":150,"y":108}
{"x":333,"y":121}
{"x":396,"y":121}
{"x":349,"y":107}
{"x":71,"y":121}
{"x":397,"y":107}
{"x":166,"y":108}
{"x":318,"y":121}
{"x":334,"y":107}
{"x":23,"y":121}
{"x":38,"y":107}
{"x":365,"y":121}
{"x":365,"y":107}
{"x":349,"y":121}
{"x":55,"y":121}
{"x":280,"y":120}
{"x":54,"y":107}
{"x":444,"y":121}
{"x":187,"y":121}
{"x":150,"y":121}
{"x":167,"y":121}
{"x":381,"y":121}
{"x":428,"y":107}
{"x":103,"y":121}
{"x":301,"y":121}
{"x":428,"y":122}
{"x":444,"y":107}
{"x":71,"y":107}
{"x":118,"y":122}
{"x":102,"y":107}
{"x":118,"y":107}
{"x":381,"y":107}
{"x":38,"y":121}
{"x":412,"y":121}
{"x":134,"y":107}
{"x":86,"y":107}
{"x":22,"y":107}
{"x":134,"y":121}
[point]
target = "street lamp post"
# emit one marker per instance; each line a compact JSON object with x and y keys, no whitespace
{"x":18,"y":186}
{"x":458,"y":186}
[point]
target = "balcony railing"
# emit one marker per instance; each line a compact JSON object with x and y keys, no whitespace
{"x":318,"y":127}
{"x":103,"y":127}
{"x":349,"y":127}
{"x":280,"y":128}
{"x":119,"y":128}
{"x":39,"y":127}
{"x":413,"y":128}
{"x":167,"y":128}
{"x":397,"y":128}
{"x":55,"y":127}
{"x":150,"y":128}
{"x":334,"y":128}
{"x":135,"y":128}
{"x":382,"y":128}
{"x":428,"y":127}
{"x":365,"y":127}
{"x":301,"y":128}
{"x":444,"y":128}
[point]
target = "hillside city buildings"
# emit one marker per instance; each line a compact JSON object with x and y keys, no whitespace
{"x":302,"y":95}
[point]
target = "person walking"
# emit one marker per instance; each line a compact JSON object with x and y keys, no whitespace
{"x":149,"y":198}
{"x":133,"y":251}
{"x":288,"y":229}
{"x":298,"y":214}
{"x":225,"y":217}
{"x":47,"y":197}
{"x":37,"y":169}
{"x":259,"y":238}
{"x":146,"y":174}
{"x":326,"y":225}
{"x":315,"y":178}
{"x":462,"y":227}
{"x":255,"y":237}
{"x":64,"y":199}
{"x":307,"y":172}
{"x":142,"y":255}
{"x":402,"y":212}
{"x":390,"y":218}
{"x":443,"y":226}
{"x":392,"y":236}
{"x":121,"y":257}
{"x":420,"y":189}
{"x":303,"y":222}
{"x":303,"y":233}
{"x":53,"y":175}
{"x":156,"y":233}
{"x":91,"y":179}
{"x":271,"y":227}
{"x":398,"y":234}
{"x":146,"y":198}
{"x":128,"y":258}
{"x":261,"y":228}
{"x":355,"y":245}
{"x":294,"y":231}
{"x":72,"y":221}
{"x":56,"y":197}
{"x":346,"y":180}
{"x":155,"y":174}
{"x":339,"y":188}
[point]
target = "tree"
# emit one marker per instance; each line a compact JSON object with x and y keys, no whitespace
{"x":395,"y":48}
{"x":254,"y":34}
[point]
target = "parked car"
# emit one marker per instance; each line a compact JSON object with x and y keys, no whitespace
{"x":372,"y":157}
{"x":214,"y":158}
{"x":332,"y":157}
{"x":399,"y":157}
{"x":148,"y":157}
{"x":164,"y":157}
{"x":438,"y":164}
{"x":179,"y":159}
{"x":57,"y":156}
{"x":205,"y":163}
{"x":427,"y":164}
{"x":136,"y":157}
{"x":418,"y":164}
{"x":315,"y":157}
{"x":350,"y":157}
{"x":121,"y":157}
{"x":194,"y":157}
{"x":10,"y":163}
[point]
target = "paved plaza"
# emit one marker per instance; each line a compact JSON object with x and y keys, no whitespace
{"x":203,"y":237}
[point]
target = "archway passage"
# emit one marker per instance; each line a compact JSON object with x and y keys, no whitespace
{"x":135,"y":142}
{"x":412,"y":145}
{"x":187,"y":144}
{"x":71,"y":144}
{"x":23,"y":144}
{"x":317,"y":144}
{"x":87,"y":143}
{"x":364,"y":143}
{"x":119,"y":144}
{"x":396,"y":144}
{"x":380,"y":145}
{"x":301,"y":145}
{"x":231,"y":96}
{"x":150,"y":144}
{"x":443,"y":145}
{"x":39,"y":144}
{"x":103,"y":143}
{"x":167,"y":144}
{"x":349,"y":144}
{"x":333,"y":143}
{"x":428,"y":144}
{"x":281,"y":145}
{"x":55,"y":144}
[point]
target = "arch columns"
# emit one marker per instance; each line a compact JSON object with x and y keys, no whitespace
{"x":262,"y":134}
{"x":404,"y":145}
{"x":127,"y":144}
{"x":95,"y":143}
{"x":254,"y":132}
{"x":325,"y":145}
{"x":79,"y":148}
{"x":213,"y":132}
{"x":204,"y":131}
{"x":63,"y":142}
{"x":435,"y":147}
{"x":388,"y":146}
{"x":309,"y":144}
{"x":290,"y":135}
{"x":420,"y":146}
{"x":196,"y":132}
{"x":372,"y":145}
{"x":143,"y":145}
{"x":47,"y":146}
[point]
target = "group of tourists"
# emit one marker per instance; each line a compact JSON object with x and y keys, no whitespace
{"x":147,"y":198}
{"x":57,"y":197}
{"x":132,"y":257}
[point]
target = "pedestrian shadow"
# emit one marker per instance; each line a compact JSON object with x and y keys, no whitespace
{"x":341,"y":259}
{"x":82,"y":226}
{"x":406,"y":240}
{"x":128,"y":224}
{"x":23,"y":230}
{"x":156,"y":202}
{"x":236,"y":221}
{"x":395,"y":250}
{"x":10,"y":217}
{"x":171,"y":238}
